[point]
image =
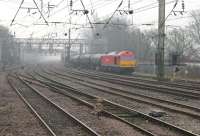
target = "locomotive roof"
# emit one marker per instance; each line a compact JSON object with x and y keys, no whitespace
{"x":125,"y":52}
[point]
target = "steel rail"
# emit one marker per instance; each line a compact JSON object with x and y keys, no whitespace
{"x":11,"y":69}
{"x":189,"y":81}
{"x":90,"y":103}
{"x":61,"y":110}
{"x":160,"y":122}
{"x":88,"y":129}
{"x":153,"y":81}
{"x":194,"y":111}
{"x":31,"y":108}
{"x":157,"y":88}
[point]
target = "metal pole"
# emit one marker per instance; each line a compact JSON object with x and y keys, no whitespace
{"x":23,"y":52}
{"x":64,"y":54}
{"x":161,"y":40}
{"x":81,"y":49}
{"x":69,"y":46}
{"x":41,"y":6}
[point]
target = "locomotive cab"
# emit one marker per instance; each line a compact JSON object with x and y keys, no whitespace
{"x":123,"y":61}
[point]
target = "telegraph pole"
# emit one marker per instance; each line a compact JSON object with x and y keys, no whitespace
{"x":161,"y":40}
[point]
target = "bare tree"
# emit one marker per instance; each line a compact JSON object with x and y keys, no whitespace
{"x":195,"y":26}
{"x":118,"y":36}
{"x":7,"y":47}
{"x":179,"y":41}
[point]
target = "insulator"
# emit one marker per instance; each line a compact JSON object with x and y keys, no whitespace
{"x":97,"y":34}
{"x":129,"y":4}
{"x":71,"y":3}
{"x":183,"y":5}
{"x":174,"y":13}
{"x":85,"y":12}
{"x":130,"y":11}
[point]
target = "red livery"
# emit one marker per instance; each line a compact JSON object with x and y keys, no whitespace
{"x":107,"y":60}
{"x":123,"y":61}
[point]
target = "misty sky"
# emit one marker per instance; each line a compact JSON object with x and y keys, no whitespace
{"x":145,"y":11}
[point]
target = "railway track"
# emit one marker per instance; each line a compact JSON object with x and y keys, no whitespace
{"x":87,"y":100}
{"x":136,"y":84}
{"x":165,"y":104}
{"x":128,"y":114}
{"x":182,"y":85}
{"x":179,"y":81}
{"x":56,"y":120}
{"x":8,"y":69}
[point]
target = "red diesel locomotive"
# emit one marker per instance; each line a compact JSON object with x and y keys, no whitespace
{"x":123,"y":61}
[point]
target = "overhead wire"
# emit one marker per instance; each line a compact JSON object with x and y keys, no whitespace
{"x":56,"y":12}
{"x":172,"y":19}
{"x":105,"y":4}
{"x":59,"y":9}
{"x":113,"y":14}
{"x":149,"y":8}
{"x":137,"y":10}
{"x":16,"y":12}
{"x":40,"y":12}
{"x":163,"y":21}
{"x":92,"y":7}
{"x":95,"y":3}
{"x":136,"y":2}
{"x":57,"y":5}
{"x":86,"y":14}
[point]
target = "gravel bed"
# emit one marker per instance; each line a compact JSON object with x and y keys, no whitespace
{"x":57,"y":120}
{"x":15,"y":118}
{"x":183,"y":121}
{"x":160,"y":95}
{"x":104,"y":126}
